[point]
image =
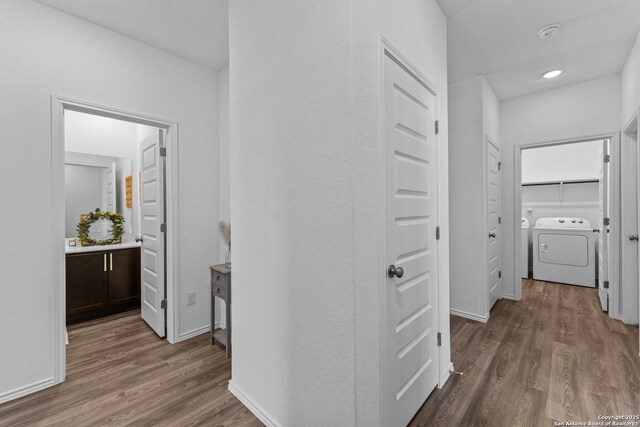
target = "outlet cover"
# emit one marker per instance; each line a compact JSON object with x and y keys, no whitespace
{"x":191,"y":298}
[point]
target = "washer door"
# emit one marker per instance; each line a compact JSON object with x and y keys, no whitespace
{"x":563,"y":249}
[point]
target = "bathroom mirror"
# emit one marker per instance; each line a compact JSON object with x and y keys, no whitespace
{"x":98,"y":182}
{"x":101,"y":230}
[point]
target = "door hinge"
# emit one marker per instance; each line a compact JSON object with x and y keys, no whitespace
{"x":607,"y":158}
{"x":163,"y":304}
{"x":499,"y":274}
{"x":605,"y":284}
{"x":163,"y":151}
{"x":437,"y":127}
{"x":499,"y":165}
{"x":606,"y":221}
{"x":438,"y":233}
{"x":439,"y":339}
{"x":163,"y":228}
{"x":499,"y":220}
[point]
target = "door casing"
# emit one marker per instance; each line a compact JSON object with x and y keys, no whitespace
{"x":614,"y":138}
{"x":632,"y":127}
{"x":59,"y":105}
{"x":487,"y":293}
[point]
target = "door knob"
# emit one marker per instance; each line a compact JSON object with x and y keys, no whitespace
{"x":492,"y":235}
{"x":632,"y":238}
{"x":138,"y":238}
{"x":395,"y":271}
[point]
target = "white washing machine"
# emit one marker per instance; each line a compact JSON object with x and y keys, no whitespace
{"x":524,"y":250}
{"x":564,"y":251}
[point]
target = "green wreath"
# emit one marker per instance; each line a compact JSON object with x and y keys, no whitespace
{"x":117,"y":220}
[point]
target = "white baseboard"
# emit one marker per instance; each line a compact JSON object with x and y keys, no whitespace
{"x":511,"y":297}
{"x":194,"y":333}
{"x":466,"y":315}
{"x":254,"y":408}
{"x":28,"y":389}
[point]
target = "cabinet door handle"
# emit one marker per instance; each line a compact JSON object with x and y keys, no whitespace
{"x":105,"y":262}
{"x":111,"y":261}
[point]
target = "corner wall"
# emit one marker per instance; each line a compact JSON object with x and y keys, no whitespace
{"x":631,"y":83}
{"x":47,"y":52}
{"x":579,"y":110}
{"x":305,"y":186}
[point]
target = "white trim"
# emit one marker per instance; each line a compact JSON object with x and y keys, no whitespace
{"x":253,"y":407}
{"x":509,"y":297}
{"x":442,"y":219}
{"x":466,"y":315}
{"x":58,"y":105}
{"x":25,"y":390}
{"x":196,"y":332}
{"x":445,"y":376}
{"x":517,"y":154}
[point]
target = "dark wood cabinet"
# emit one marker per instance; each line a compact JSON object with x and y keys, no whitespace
{"x":124,"y":277}
{"x":221,"y":288}
{"x":86,"y":283}
{"x":102,"y":283}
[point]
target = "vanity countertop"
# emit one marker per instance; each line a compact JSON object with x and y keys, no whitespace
{"x":100,"y":248}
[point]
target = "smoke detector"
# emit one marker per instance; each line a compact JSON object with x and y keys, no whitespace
{"x":548,"y":31}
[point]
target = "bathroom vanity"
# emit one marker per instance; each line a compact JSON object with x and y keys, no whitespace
{"x":102,"y":280}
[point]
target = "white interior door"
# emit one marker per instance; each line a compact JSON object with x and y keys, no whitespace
{"x":494,"y":258}
{"x":153,"y":238}
{"x":410,"y":154}
{"x":629,"y":228}
{"x":109,"y":188}
{"x":603,"y":235}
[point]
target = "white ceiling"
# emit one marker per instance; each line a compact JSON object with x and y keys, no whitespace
{"x":197,"y":30}
{"x":499,"y":38}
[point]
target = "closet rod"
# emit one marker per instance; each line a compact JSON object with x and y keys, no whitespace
{"x":583,"y":181}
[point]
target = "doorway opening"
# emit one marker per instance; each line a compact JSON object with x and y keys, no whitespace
{"x":114,"y":178}
{"x":567,"y":196}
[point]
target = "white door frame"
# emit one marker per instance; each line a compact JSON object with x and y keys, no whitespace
{"x":613,"y":208}
{"x":632,"y":125}
{"x":445,"y":367}
{"x":58,"y":106}
{"x":485,"y":191}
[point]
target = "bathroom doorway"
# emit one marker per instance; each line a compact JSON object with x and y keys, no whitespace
{"x":567,"y":195}
{"x":114,"y":178}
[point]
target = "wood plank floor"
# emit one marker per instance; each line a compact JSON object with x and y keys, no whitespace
{"x":120,"y":373}
{"x":554,"y":356}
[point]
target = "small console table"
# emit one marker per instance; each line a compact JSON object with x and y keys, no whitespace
{"x":221,"y":288}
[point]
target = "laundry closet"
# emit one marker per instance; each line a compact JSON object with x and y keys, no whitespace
{"x":563,"y":206}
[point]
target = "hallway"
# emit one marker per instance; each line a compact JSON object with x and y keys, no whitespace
{"x":554,"y":356}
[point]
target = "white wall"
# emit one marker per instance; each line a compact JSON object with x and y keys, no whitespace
{"x":584,"y":109}
{"x":304,"y":185}
{"x":561,"y":163}
{"x":223,"y":172}
{"x":466,"y":178}
{"x":84,"y":133}
{"x":631,"y":84}
{"x":474,"y":114}
{"x":83,"y":194}
{"x":46,"y":52}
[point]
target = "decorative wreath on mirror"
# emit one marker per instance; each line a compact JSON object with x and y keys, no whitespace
{"x":117,"y":220}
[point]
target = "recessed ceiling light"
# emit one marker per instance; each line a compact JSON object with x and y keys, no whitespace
{"x":548,"y":31}
{"x":553,"y":73}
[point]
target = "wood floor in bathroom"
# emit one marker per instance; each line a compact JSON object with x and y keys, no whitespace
{"x":554,"y":356}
